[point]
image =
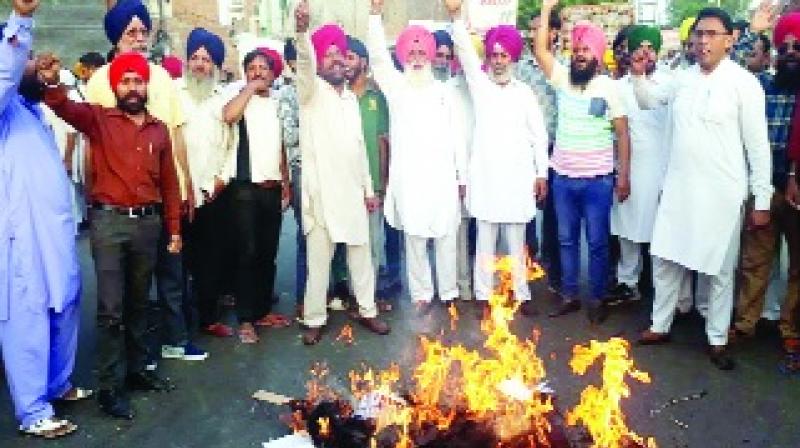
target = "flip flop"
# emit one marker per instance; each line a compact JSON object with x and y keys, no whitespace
{"x":49,"y":428}
{"x":273,"y":321}
{"x":76,"y":394}
{"x":248,"y":336}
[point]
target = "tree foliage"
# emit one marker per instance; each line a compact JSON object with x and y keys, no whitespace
{"x":681,"y":9}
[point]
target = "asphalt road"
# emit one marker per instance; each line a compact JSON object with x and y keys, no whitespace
{"x":752,"y":406}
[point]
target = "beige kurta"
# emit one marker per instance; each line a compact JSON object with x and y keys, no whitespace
{"x":336,"y":177}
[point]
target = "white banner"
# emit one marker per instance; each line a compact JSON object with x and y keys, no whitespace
{"x":485,"y":14}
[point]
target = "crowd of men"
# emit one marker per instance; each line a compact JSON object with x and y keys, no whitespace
{"x":680,"y":173}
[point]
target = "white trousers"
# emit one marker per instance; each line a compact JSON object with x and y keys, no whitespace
{"x":669,"y":278}
{"x":462,"y":250}
{"x":630,"y":263}
{"x":319,"y":252}
{"x":418,"y":266}
{"x":377,"y":239}
{"x":514,"y":238}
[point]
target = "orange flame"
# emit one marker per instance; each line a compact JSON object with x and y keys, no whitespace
{"x":346,"y":335}
{"x":324,"y":427}
{"x":453,"y":312}
{"x":599,"y":409}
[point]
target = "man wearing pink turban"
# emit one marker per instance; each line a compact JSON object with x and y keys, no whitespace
{"x":337,"y":190}
{"x":591,"y":119}
{"x":427,"y":166}
{"x":507,"y":167}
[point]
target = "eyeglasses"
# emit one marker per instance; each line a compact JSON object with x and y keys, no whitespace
{"x":711,"y":34}
{"x":134,"y":32}
{"x":784,"y":48}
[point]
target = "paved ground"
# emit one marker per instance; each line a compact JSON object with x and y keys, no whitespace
{"x":753,"y":406}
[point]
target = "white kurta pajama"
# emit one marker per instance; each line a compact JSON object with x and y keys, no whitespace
{"x":426,"y":168}
{"x":633,"y":219}
{"x":718,"y":130}
{"x":336,"y":181}
{"x":467,"y":118}
{"x":508,"y":154}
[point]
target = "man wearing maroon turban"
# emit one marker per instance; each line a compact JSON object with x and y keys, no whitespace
{"x":507,"y":167}
{"x":337,"y":192}
{"x":760,"y":244}
{"x":135,"y":193}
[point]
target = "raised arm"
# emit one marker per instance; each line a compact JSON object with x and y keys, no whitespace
{"x":80,"y":116}
{"x":541,"y":48}
{"x":14,"y":49}
{"x":306,"y":61}
{"x":465,"y":51}
{"x":382,"y":66}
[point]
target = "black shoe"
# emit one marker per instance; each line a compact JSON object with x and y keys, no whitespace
{"x":115,"y":404}
{"x":597,"y":313}
{"x":621,"y":293}
{"x":148,"y":381}
{"x":719,"y":357}
{"x":528,"y":310}
{"x":566,"y":307}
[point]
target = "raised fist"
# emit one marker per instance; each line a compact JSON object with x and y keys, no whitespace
{"x":302,"y":17}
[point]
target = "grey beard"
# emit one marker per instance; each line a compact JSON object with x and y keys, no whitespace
{"x":200,"y":89}
{"x":503,"y":78}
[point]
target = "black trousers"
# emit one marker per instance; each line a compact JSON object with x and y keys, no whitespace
{"x":124,"y":251}
{"x":255,"y":214}
{"x":205,"y":251}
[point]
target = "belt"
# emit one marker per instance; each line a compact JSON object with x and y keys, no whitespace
{"x":270,"y":184}
{"x":131,"y":212}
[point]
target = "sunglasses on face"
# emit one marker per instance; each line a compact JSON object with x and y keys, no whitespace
{"x":786,"y":47}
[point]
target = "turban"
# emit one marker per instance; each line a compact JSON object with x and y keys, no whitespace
{"x":414,"y":36}
{"x":507,"y":37}
{"x":200,"y":37}
{"x":643,"y":33}
{"x":788,"y":24}
{"x":120,"y":16}
{"x":685,"y":28}
{"x":442,"y":37}
{"x":325,"y":37}
{"x":357,"y":47}
{"x":128,"y":62}
{"x":274,"y":58}
{"x":591,"y":35}
{"x":173,"y":65}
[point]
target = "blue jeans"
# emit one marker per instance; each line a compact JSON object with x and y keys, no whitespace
{"x":390,"y":285}
{"x":589,"y":200}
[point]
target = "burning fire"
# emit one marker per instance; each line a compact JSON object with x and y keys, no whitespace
{"x":346,"y":335}
{"x":452,"y":311}
{"x":599,"y":409}
{"x":498,"y":386}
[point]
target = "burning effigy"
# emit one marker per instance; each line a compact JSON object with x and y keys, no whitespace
{"x":494,"y":396}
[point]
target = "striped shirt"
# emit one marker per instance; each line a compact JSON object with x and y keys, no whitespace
{"x":584,"y":135}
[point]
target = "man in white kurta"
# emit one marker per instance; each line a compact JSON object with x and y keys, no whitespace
{"x":336,"y":180}
{"x":508,"y":161}
{"x":427,"y":163}
{"x":632,"y":220}
{"x":718,"y":131}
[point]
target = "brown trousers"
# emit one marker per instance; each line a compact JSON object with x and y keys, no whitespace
{"x":759,"y":248}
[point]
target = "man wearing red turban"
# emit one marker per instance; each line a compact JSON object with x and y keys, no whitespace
{"x":134,"y":194}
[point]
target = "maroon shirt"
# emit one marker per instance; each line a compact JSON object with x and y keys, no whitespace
{"x":131,"y":165}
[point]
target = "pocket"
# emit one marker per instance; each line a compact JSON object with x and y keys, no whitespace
{"x":597,"y":107}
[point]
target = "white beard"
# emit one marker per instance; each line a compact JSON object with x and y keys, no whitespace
{"x":421,"y":77}
{"x":200,"y":89}
{"x":503,"y":78}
